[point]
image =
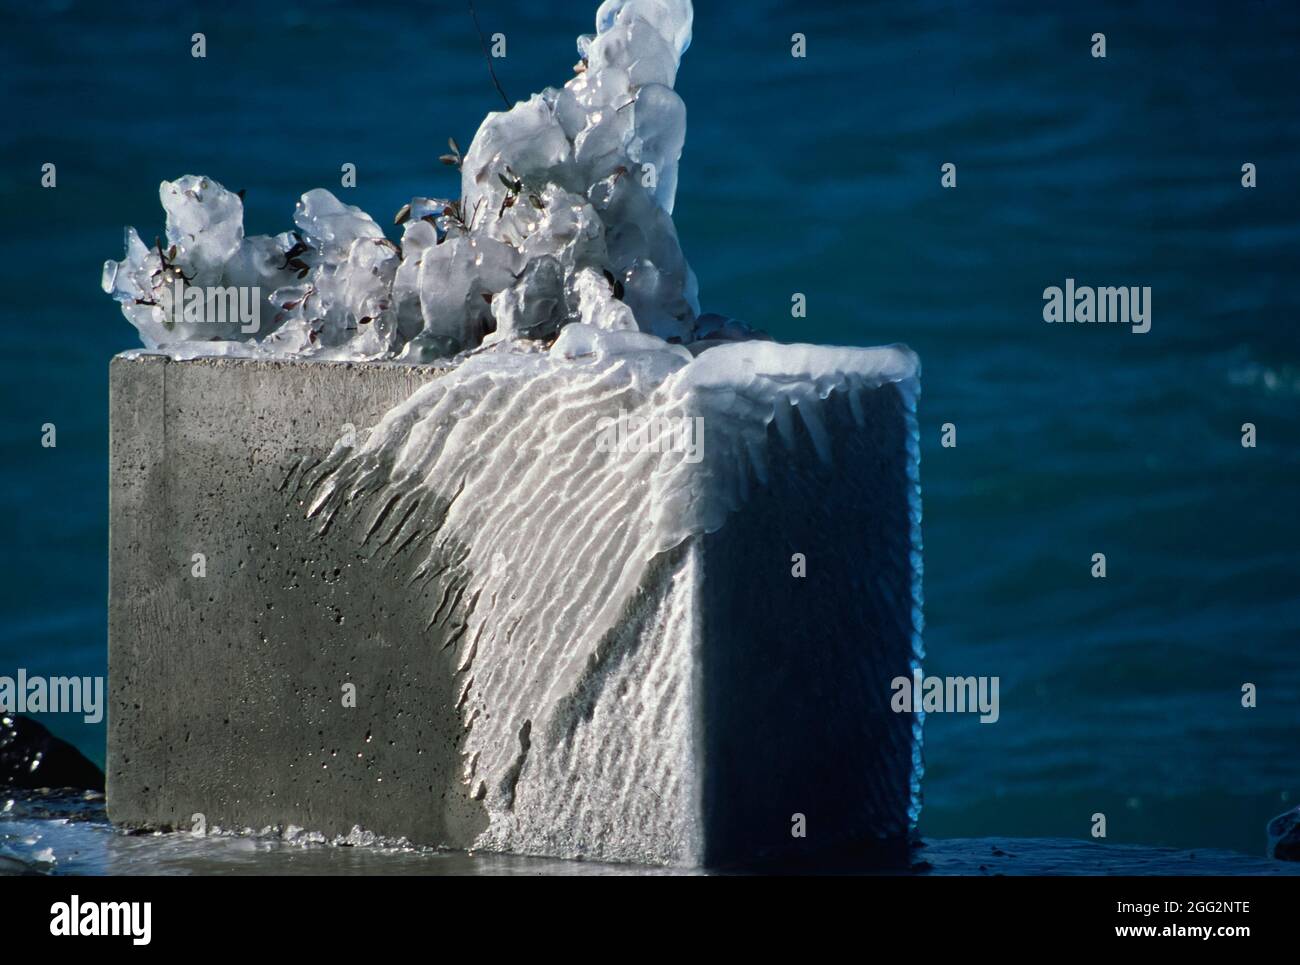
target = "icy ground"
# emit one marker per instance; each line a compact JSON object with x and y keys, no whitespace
{"x":63,"y":833}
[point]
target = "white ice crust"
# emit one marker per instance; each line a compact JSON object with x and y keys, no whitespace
{"x":554,"y":535}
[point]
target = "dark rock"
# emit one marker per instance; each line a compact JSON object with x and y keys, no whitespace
{"x":1284,"y":836}
{"x":32,"y":757}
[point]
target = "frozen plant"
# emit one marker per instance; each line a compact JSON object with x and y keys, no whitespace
{"x":564,"y":215}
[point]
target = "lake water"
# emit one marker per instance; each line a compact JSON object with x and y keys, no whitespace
{"x":821,"y":176}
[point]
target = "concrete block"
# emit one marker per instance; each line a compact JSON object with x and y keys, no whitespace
{"x":732,"y":699}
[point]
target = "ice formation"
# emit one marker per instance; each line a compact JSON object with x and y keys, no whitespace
{"x":546,"y":540}
{"x":558,"y":280}
{"x":564,"y":214}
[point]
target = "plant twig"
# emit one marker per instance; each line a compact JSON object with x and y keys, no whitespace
{"x":488,"y":56}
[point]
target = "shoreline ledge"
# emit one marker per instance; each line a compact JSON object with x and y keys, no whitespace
{"x":299,"y":636}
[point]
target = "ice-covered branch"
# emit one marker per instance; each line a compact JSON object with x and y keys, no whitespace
{"x":564,"y":214}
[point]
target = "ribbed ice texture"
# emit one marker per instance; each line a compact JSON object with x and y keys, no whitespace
{"x":544,"y":537}
{"x":564,"y":214}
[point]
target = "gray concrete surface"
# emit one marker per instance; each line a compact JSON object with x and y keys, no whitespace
{"x":225,"y":690}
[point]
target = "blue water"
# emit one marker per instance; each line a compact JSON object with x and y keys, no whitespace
{"x":818,"y":176}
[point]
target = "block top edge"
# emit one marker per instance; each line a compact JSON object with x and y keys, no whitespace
{"x":148,"y":357}
{"x":784,"y":361}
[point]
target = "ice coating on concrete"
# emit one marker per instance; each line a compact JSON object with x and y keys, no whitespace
{"x":553,"y":531}
{"x":556,"y":528}
{"x":564,"y":214}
